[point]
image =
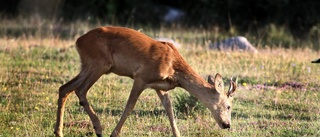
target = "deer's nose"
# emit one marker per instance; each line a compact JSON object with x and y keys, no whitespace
{"x":225,"y":125}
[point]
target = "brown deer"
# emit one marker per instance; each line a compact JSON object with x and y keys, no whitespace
{"x":151,"y":64}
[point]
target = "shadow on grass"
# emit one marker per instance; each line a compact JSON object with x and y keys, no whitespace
{"x":140,"y":113}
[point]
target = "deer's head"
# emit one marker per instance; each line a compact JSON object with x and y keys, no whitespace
{"x":221,"y":106}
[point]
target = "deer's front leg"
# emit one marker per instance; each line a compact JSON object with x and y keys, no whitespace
{"x":164,"y":97}
{"x":138,"y":87}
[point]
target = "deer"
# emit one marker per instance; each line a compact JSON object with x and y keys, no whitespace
{"x":151,"y":64}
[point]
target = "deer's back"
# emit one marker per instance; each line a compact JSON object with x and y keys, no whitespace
{"x":129,"y":52}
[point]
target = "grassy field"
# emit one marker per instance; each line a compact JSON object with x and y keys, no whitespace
{"x":278,"y":93}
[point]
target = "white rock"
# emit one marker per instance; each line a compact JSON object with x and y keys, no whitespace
{"x":237,"y":43}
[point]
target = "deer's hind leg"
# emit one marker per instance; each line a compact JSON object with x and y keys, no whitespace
{"x":64,"y":92}
{"x":80,"y":84}
{"x":81,"y":93}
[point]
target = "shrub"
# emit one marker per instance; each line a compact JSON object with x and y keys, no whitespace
{"x":187,"y":104}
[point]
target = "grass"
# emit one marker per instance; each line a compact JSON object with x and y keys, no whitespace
{"x":278,"y":93}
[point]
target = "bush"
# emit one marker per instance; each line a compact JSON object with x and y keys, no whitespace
{"x":188,"y":105}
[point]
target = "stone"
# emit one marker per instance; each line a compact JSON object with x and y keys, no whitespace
{"x":238,"y":43}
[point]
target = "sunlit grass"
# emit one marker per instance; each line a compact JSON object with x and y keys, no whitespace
{"x":266,"y":104}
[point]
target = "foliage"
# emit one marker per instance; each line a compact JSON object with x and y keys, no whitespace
{"x":187,"y":104}
{"x":271,"y":36}
{"x":246,"y":15}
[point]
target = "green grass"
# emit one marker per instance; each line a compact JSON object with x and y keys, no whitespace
{"x":266,"y":104}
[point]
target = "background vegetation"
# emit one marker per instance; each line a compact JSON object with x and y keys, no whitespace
{"x":293,"y":23}
{"x":278,"y":89}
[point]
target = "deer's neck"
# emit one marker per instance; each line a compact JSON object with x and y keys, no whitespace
{"x":191,"y":81}
{"x":194,"y":83}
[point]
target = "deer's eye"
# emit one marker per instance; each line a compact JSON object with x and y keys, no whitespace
{"x":228,"y":107}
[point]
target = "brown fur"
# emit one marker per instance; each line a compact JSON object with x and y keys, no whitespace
{"x":150,"y":63}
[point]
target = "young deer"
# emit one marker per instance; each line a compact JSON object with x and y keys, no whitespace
{"x":151,"y":64}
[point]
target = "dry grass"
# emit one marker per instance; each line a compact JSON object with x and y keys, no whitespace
{"x":278,"y":92}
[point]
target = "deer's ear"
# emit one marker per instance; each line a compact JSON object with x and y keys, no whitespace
{"x":211,"y":80}
{"x":218,"y":83}
{"x":233,"y":87}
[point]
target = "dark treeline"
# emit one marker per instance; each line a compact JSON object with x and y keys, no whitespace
{"x":299,"y":16}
